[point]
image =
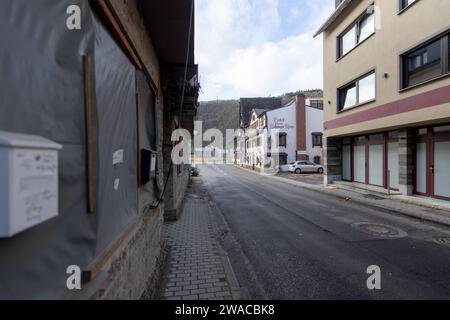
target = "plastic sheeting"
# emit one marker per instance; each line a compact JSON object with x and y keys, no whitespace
{"x":116,"y":106}
{"x":41,"y":92}
{"x":147,"y":131}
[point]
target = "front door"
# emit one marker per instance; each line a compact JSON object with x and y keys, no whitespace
{"x":369,"y":159}
{"x":440,"y":170}
{"x":432,"y":163}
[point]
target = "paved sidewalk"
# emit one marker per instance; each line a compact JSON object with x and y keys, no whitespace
{"x":198,"y":267}
{"x":311,"y":178}
{"x":407,"y":206}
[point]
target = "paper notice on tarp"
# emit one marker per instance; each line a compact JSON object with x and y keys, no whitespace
{"x":118,"y":157}
{"x":116,"y":184}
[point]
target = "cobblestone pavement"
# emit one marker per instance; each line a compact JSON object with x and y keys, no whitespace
{"x":198,"y":267}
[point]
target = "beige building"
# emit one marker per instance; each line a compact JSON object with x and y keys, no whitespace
{"x":387,"y":95}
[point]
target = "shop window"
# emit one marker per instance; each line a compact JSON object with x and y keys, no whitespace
{"x":440,"y":130}
{"x":376,"y":137}
{"x":393,"y":135}
{"x":422,"y":132}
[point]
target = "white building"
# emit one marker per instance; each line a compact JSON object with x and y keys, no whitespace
{"x":277,"y":137}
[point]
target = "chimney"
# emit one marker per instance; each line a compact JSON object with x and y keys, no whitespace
{"x":300,"y":110}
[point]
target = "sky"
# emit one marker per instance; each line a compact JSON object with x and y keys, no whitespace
{"x":259,"y":48}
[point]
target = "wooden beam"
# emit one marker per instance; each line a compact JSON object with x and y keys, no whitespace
{"x":107,"y":12}
{"x":88,"y":95}
{"x":95,"y":267}
{"x":138,"y":137}
{"x":119,"y":32}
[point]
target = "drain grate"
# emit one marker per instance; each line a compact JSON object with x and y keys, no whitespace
{"x":443,"y":240}
{"x":379,"y":230}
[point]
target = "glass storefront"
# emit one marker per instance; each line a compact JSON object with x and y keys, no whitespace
{"x":376,"y":161}
{"x":442,"y":169}
{"x":432,"y":162}
{"x":359,"y":167}
{"x":370,"y":159}
{"x":347,"y":162}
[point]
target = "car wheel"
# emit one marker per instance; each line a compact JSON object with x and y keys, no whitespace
{"x":298,"y":171}
{"x":320,"y":170}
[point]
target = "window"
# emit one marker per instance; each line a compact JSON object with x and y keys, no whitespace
{"x":317,"y":139}
{"x":317,"y":104}
{"x":405,"y":3}
{"x":366,"y":88}
{"x":357,"y":92}
{"x":366,"y":27}
{"x":269,"y":143}
{"x":347,"y":97}
{"x":282,"y":140}
{"x":357,"y":32}
{"x":426,"y":62}
{"x":348,"y":41}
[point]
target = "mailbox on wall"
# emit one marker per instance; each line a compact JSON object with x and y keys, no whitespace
{"x":28,"y":182}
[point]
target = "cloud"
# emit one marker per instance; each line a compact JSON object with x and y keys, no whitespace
{"x":248,"y":48}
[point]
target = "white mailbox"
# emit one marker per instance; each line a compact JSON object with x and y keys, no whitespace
{"x":28,"y":181}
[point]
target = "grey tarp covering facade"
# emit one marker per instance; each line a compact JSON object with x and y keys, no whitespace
{"x":41,"y":92}
{"x":147,"y":131}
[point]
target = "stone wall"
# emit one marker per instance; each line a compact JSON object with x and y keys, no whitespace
{"x":406,"y":162}
{"x":135,"y":269}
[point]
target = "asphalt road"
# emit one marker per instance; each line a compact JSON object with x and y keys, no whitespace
{"x":303,"y":244}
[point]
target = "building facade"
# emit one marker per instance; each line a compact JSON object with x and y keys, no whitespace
{"x":387,"y":95}
{"x":103,"y":81}
{"x":275,"y":138}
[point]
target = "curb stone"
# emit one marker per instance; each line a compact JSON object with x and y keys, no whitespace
{"x":432,"y":218}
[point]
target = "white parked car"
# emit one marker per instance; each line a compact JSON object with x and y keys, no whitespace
{"x":305,"y":167}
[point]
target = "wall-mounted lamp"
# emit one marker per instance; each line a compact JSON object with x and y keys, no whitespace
{"x":386,"y":75}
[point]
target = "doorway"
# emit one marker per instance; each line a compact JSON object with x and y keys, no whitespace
{"x":432,"y":162}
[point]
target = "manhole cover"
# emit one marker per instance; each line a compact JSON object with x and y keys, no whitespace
{"x":379,"y":230}
{"x":443,"y":240}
